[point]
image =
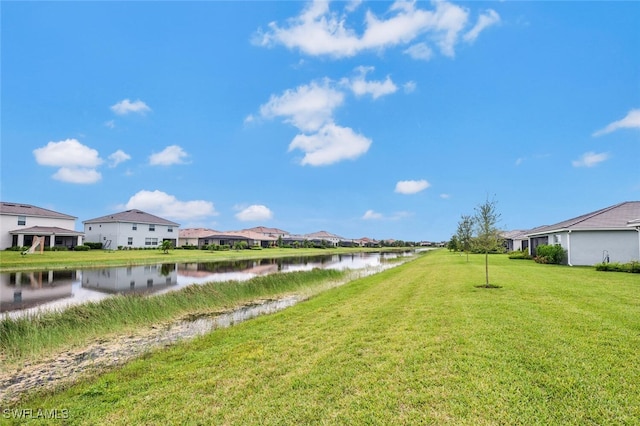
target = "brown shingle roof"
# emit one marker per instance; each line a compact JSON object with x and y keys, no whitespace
{"x":45,"y":230}
{"x":197,"y":232}
{"x":20,"y":209}
{"x":132,"y":216}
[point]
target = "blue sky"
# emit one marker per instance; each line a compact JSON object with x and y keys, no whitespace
{"x":364,"y":119}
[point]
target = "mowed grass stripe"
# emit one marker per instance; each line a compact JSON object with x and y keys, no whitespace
{"x":415,"y":344}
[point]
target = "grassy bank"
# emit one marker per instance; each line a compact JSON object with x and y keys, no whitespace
{"x":415,"y":344}
{"x":29,"y":339}
{"x":13,"y":260}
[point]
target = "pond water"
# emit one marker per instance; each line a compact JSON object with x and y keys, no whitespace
{"x":31,"y":292}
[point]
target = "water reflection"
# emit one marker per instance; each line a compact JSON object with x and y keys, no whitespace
{"x":30,"y":292}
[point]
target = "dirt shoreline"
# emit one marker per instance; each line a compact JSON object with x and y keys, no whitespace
{"x":67,"y":367}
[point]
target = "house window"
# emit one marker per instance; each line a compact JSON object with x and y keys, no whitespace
{"x":89,"y":228}
{"x":22,"y":220}
{"x":169,"y":229}
{"x":130,"y":241}
{"x":134,"y":227}
{"x":150,"y":241}
{"x":152,"y":228}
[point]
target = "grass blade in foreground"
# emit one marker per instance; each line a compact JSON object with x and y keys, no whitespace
{"x":415,"y":344}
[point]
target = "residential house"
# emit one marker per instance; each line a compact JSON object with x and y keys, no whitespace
{"x":320,"y":236}
{"x":130,"y":229}
{"x":198,"y":237}
{"x":253,"y":239}
{"x":367,"y":242}
{"x":515,"y":240}
{"x":20,"y":224}
{"x":270,"y":232}
{"x":611,"y":234}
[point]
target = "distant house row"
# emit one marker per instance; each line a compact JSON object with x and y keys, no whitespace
{"x":22,"y":224}
{"x":611,"y":234}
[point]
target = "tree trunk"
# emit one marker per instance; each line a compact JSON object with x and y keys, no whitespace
{"x":486,"y":266}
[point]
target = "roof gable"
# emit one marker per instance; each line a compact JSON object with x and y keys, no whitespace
{"x":20,"y":209}
{"x":132,"y":216}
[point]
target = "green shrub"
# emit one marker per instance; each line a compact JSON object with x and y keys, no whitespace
{"x":82,"y":248}
{"x":93,"y":246}
{"x":553,"y":254}
{"x":631,"y":267}
{"x":521,"y":254}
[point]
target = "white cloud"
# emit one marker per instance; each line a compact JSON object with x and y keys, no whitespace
{"x":254,"y":212}
{"x":118,"y":157}
{"x":419,"y":51}
{"x":170,"y":155}
{"x":110,"y":124}
{"x":371,"y":215}
{"x":307,"y":107}
{"x":590,"y":159}
{"x":519,"y":161}
{"x":125,"y":106}
{"x":329,"y":145}
{"x":168,"y":206}
{"x":77,"y":175}
{"x":445,"y":196}
{"x":67,"y":153}
{"x":77,"y":162}
{"x":630,"y":121}
{"x":491,"y":17}
{"x":319,"y":31}
{"x":409,"y":87}
{"x":360,"y":86}
{"x":411,"y":186}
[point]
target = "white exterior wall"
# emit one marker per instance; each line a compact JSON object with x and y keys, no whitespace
{"x":119,"y":232}
{"x":128,"y":279}
{"x":587,"y":247}
{"x":9,"y":222}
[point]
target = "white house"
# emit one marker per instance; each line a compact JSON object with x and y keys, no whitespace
{"x":332,"y":239}
{"x":611,"y":234}
{"x":20,"y":223}
{"x":515,"y":240}
{"x":130,"y":229}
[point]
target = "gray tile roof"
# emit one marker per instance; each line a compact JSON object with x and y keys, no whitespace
{"x":132,"y":216}
{"x":322,"y":234}
{"x":265,"y":230}
{"x":614,"y":217}
{"x":20,"y":209}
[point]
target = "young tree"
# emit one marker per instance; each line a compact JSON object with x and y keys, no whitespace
{"x":487,"y":234}
{"x":452,"y":245}
{"x":166,"y":246}
{"x":464,"y":234}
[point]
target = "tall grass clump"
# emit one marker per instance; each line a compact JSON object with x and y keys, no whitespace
{"x":28,"y":336}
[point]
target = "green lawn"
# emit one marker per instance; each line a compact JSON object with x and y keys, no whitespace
{"x":417,"y":344}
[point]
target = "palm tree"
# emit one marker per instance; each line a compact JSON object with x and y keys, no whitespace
{"x":166,"y":246}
